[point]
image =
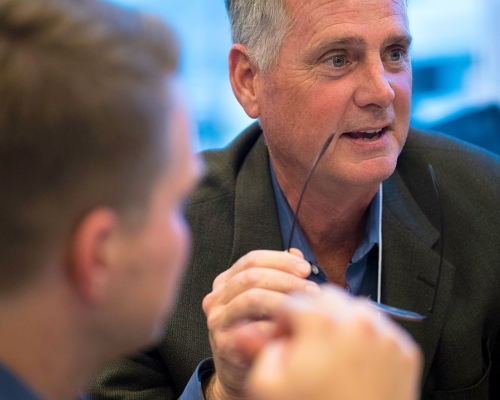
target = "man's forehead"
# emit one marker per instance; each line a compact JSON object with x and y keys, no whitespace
{"x":319,"y":3}
{"x":300,"y":10}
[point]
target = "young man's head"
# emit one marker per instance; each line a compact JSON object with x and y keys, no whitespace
{"x":94,"y":166}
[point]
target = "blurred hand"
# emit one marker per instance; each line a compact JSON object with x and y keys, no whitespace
{"x":335,"y":347}
{"x":244,"y":303}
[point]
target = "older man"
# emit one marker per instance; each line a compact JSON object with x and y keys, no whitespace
{"x":370,"y":220}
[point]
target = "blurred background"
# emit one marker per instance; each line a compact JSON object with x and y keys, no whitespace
{"x":455,"y":55}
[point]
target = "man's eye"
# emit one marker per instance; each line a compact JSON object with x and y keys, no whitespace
{"x":338,"y":61}
{"x":396,"y":55}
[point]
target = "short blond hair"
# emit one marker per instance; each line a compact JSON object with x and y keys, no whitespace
{"x":81,"y":114}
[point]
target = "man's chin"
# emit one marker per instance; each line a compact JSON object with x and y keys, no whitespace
{"x":371,"y":175}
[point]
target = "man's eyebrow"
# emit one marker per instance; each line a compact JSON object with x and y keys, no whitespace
{"x":333,"y":43}
{"x":403,"y":40}
{"x":339,"y":42}
{"x":348,"y":41}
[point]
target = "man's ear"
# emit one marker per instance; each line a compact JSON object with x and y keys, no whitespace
{"x":89,"y":258}
{"x":243,"y":74}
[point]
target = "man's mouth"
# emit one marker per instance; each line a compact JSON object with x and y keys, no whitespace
{"x":369,"y":135}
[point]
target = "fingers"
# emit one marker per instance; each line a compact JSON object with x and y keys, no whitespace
{"x":253,"y":305}
{"x":333,"y":309}
{"x":268,"y":270}
{"x":291,"y":262}
{"x":265,"y":278}
{"x":336,"y":347}
{"x":296,"y":252}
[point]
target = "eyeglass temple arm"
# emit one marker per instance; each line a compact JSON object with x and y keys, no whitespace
{"x":309,"y":175}
{"x":397,"y":313}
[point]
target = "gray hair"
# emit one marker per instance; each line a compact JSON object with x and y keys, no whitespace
{"x":259,"y":25}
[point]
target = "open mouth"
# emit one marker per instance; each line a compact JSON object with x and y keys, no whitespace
{"x":368,"y":135}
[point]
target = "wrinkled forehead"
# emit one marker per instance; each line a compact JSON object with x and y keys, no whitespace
{"x":344,"y":11}
{"x":291,"y":4}
{"x":315,"y":23}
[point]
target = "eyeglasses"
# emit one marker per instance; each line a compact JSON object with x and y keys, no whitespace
{"x":396,"y":313}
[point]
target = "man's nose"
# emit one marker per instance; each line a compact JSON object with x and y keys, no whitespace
{"x":374,"y":88}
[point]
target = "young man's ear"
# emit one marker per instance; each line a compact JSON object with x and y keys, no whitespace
{"x":243,"y":75}
{"x":89,"y":257}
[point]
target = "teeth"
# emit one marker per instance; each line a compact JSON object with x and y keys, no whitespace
{"x":371,"y":131}
{"x":373,"y":138}
{"x":373,"y":134}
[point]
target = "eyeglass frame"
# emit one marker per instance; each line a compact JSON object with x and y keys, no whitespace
{"x":393,"y":312}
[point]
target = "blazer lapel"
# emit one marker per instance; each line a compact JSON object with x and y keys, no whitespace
{"x":256,"y":223}
{"x":410,"y":261}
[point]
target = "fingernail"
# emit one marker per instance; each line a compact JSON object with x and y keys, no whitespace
{"x":312,"y":288}
{"x":303,"y":267}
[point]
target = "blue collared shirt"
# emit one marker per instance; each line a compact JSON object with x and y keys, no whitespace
{"x":12,"y":388}
{"x":362,"y":272}
{"x":193,"y":390}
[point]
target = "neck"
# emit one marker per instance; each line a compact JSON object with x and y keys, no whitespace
{"x":39,"y":345}
{"x":332,"y":217}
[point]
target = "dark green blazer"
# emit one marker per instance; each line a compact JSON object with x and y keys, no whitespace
{"x":233,"y":212}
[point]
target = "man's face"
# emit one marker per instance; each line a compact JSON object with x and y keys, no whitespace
{"x":150,"y":259}
{"x":344,"y":67}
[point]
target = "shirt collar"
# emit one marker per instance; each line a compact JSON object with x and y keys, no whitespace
{"x":12,"y":388}
{"x":299,"y":241}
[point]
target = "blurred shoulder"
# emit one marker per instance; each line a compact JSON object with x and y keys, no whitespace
{"x":459,"y":159}
{"x":223,"y":165}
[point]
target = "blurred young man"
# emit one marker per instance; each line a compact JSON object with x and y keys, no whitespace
{"x":94,"y":166}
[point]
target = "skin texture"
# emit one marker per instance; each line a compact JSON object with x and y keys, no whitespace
{"x":343,"y":67}
{"x":334,"y":347}
{"x":107,"y":290}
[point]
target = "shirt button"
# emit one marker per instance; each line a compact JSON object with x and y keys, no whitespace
{"x":314,"y":269}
